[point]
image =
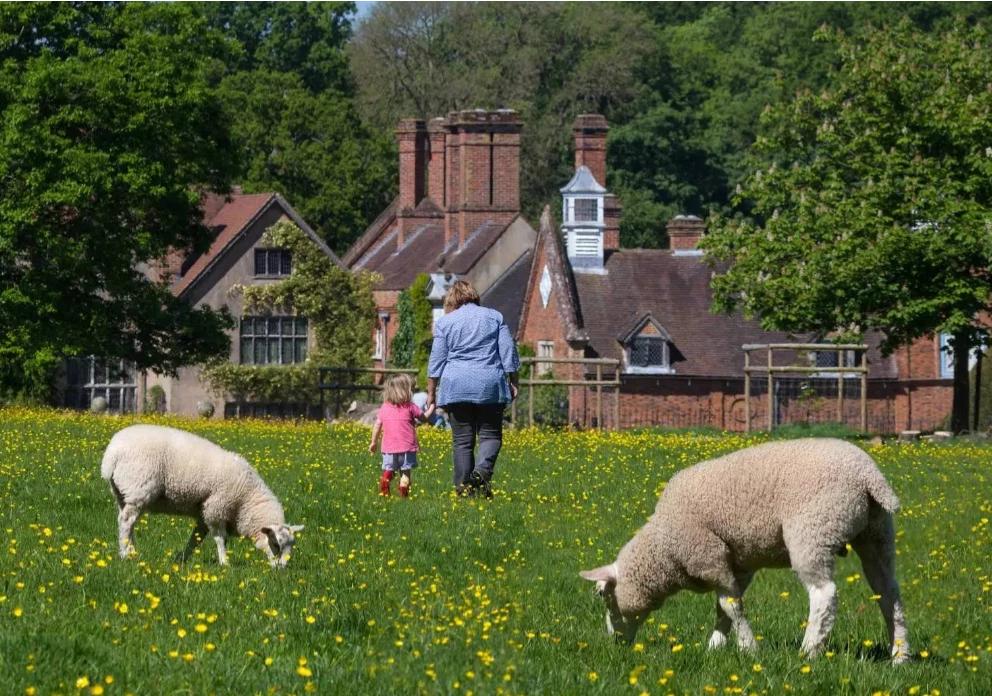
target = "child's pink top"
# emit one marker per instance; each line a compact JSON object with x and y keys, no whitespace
{"x":399,"y":433}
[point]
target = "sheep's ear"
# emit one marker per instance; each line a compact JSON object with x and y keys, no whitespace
{"x":294,"y":528}
{"x":605,"y":577}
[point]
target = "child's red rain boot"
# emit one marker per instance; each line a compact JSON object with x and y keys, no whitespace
{"x":404,"y":486}
{"x":387,"y":476}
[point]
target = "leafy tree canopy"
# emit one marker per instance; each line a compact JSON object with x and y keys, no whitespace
{"x":872,"y":199}
{"x":109,"y":132}
{"x":289,"y":93}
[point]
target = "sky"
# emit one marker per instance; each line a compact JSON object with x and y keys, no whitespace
{"x":364,"y":8}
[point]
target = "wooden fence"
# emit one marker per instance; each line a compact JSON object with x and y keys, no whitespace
{"x":602,"y":365}
{"x":770,"y":370}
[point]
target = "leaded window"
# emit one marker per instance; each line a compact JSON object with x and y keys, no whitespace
{"x":649,"y":352}
{"x":273,"y":262}
{"x":273,"y":340}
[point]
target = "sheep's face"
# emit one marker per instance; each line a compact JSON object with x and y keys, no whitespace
{"x":623,"y":616}
{"x":276,"y":543}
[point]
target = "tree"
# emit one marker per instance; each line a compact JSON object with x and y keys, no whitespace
{"x":872,"y":200}
{"x":548,"y":61}
{"x":411,"y":346}
{"x":110,"y":132}
{"x":291,"y":101}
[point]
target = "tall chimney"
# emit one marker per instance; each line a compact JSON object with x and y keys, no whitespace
{"x":684,"y":233}
{"x":590,"y":131}
{"x":436,"y":131}
{"x":483,"y":170}
{"x":411,"y":138}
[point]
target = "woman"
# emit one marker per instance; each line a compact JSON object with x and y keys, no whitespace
{"x":476,"y":361}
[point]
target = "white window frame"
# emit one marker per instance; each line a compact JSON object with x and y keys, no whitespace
{"x":568,"y":213}
{"x":380,"y":342}
{"x":545,"y":349}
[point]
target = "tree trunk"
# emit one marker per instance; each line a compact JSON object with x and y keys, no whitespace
{"x":959,"y":408}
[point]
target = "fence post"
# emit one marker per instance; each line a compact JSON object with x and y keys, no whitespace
{"x":747,"y":390}
{"x":864,"y":391}
{"x":840,"y":387}
{"x":771,"y":403}
{"x":530,"y":400}
{"x":616,"y":400}
{"x":599,"y":397}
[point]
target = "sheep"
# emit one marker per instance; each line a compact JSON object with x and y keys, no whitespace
{"x":791,"y":503}
{"x":150,"y":467}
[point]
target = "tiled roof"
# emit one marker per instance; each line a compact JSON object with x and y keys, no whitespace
{"x":226,"y":222}
{"x":675,"y":291}
{"x":232,"y":216}
{"x":506,"y":295}
{"x":423,"y":251}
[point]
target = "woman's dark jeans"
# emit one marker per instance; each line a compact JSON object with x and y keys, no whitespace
{"x":468,"y":423}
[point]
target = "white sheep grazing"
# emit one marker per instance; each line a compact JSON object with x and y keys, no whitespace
{"x":790,"y":503}
{"x":150,"y":467}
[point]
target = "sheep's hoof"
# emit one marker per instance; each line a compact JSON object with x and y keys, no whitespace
{"x":717,"y":640}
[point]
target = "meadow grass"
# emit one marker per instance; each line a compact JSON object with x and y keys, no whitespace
{"x":442,"y":595}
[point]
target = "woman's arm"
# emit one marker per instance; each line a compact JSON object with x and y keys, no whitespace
{"x":435,"y":365}
{"x":509,"y":358}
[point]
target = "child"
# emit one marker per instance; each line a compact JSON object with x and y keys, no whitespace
{"x":396,"y":422}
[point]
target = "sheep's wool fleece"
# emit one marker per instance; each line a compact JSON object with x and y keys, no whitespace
{"x":175,"y":471}
{"x":814,"y":493}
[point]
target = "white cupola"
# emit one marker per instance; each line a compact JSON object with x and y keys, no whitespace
{"x":583,"y":216}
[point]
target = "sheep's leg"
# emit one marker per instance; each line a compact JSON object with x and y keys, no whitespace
{"x":877,"y":554}
{"x":730,"y":615}
{"x":822,"y":612}
{"x":220,"y":536}
{"x":722,"y":627}
{"x":126,"y":519}
{"x":196,"y":537}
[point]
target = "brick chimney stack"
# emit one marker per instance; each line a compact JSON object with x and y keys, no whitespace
{"x":482,"y":167}
{"x":684,"y":233}
{"x":590,"y":131}
{"x":436,"y":133}
{"x":411,"y":138}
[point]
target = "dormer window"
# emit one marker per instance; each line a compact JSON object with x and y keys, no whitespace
{"x":649,"y":351}
{"x":273,"y":262}
{"x":647,"y":347}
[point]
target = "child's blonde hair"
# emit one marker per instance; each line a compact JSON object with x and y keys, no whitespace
{"x":398,"y":389}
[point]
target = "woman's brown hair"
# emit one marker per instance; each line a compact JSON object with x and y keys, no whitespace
{"x":460,"y":293}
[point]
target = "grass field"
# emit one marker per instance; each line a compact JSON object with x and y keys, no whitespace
{"x":439,"y":595}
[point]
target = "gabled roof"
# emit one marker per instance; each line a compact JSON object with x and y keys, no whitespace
{"x":583,"y":182}
{"x":635,"y":328}
{"x":230,"y":221}
{"x":561,"y":274}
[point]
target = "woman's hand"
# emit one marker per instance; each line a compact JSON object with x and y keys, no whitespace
{"x":514,"y":390}
{"x":429,"y":411}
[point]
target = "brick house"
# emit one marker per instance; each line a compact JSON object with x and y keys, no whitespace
{"x":681,"y":365}
{"x":236,"y":257}
{"x":457,"y":215}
